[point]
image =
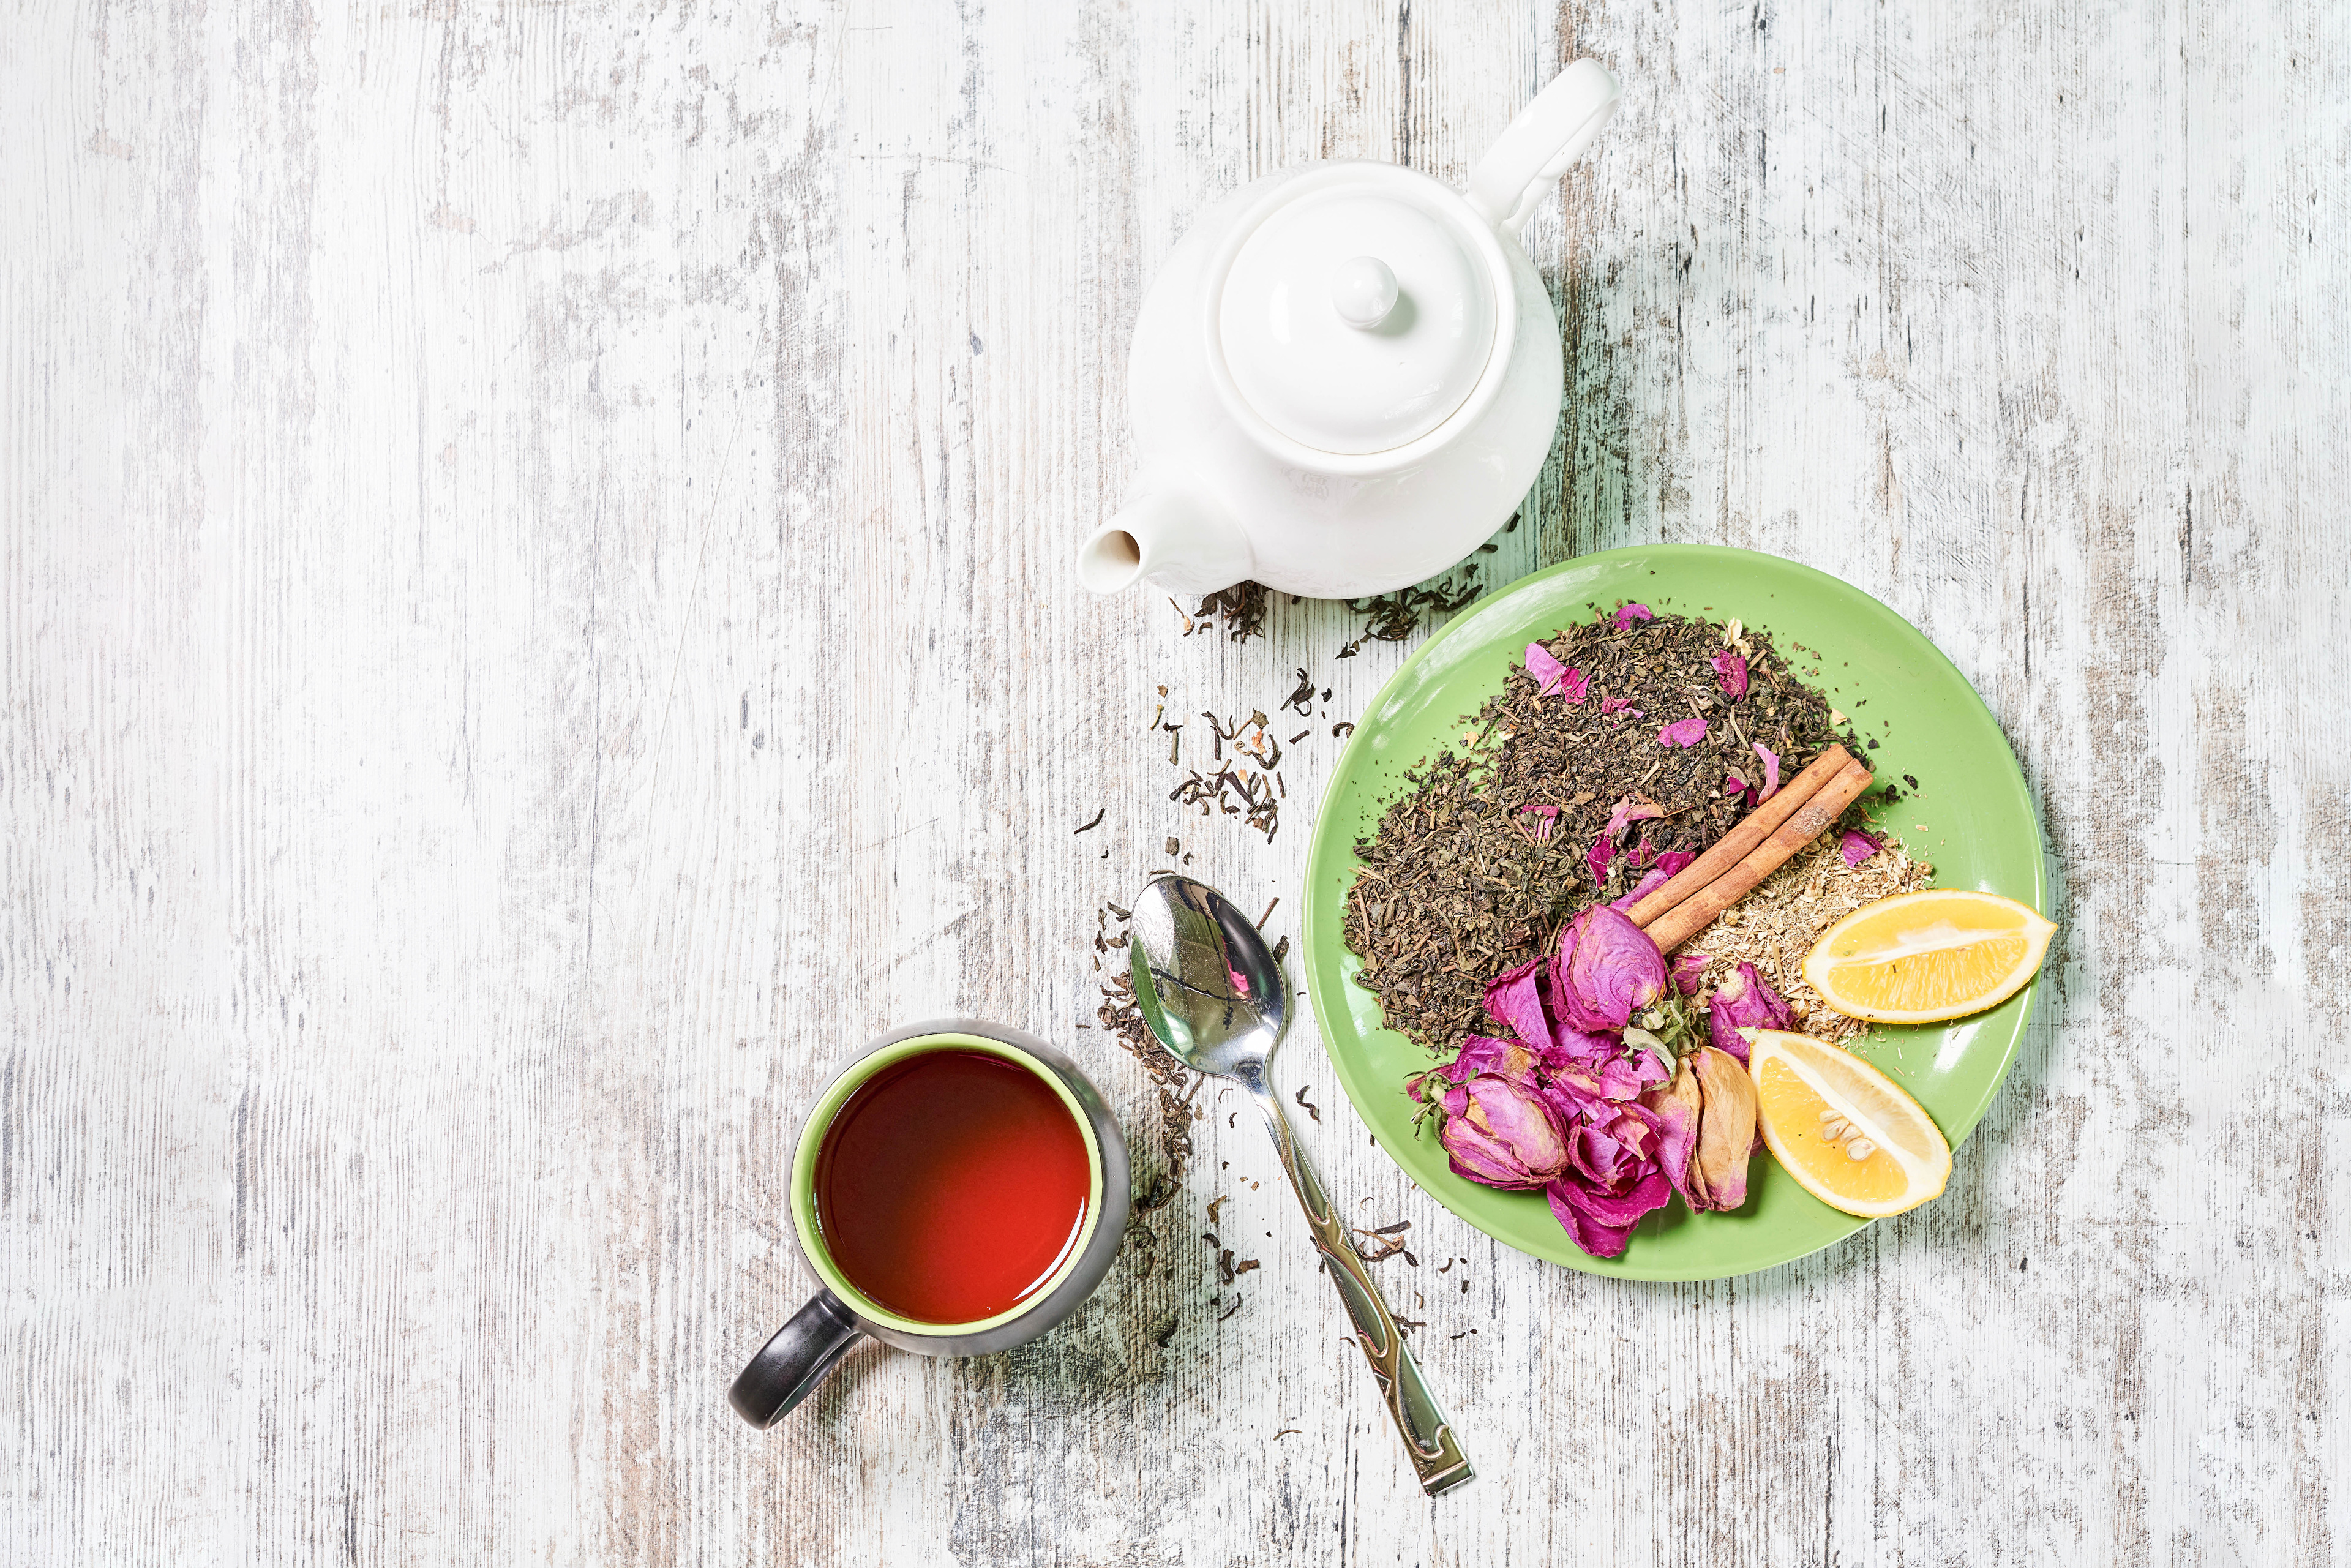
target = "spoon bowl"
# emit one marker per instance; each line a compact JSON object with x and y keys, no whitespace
{"x":1207,"y":985}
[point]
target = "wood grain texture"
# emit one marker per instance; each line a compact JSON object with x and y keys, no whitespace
{"x":535,"y":612}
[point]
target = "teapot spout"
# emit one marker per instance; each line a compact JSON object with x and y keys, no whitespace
{"x":1172,"y":533}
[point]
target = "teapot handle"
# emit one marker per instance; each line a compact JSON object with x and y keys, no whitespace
{"x":1548,"y":134}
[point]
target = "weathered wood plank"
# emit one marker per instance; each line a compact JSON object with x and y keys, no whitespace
{"x":535,"y":614}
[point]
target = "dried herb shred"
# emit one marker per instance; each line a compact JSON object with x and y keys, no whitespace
{"x":1461,"y":880}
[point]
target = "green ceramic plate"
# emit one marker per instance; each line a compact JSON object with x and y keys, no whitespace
{"x":1979,"y":829}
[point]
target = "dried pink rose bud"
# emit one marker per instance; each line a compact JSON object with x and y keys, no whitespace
{"x":1501,"y":1133}
{"x":1607,"y":970}
{"x":1745,"y":1001}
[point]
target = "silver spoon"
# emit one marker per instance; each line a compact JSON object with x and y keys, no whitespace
{"x":1210,"y":989}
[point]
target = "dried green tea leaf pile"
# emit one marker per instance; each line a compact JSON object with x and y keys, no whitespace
{"x":1541,"y":809}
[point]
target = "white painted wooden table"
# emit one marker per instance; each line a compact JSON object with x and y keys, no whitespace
{"x":535,"y":611}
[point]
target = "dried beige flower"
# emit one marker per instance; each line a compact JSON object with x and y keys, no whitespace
{"x":1776,"y":924}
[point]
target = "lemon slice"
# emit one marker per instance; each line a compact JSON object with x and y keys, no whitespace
{"x":1941,"y":954}
{"x":1843,"y":1129}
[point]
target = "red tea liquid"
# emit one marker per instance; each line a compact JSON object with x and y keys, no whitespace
{"x":951,"y":1185}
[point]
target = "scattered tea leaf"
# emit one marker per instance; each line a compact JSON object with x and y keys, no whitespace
{"x":1242,"y":607}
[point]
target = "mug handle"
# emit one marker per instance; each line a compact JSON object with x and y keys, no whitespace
{"x":794,"y":1361}
{"x":1548,"y":134}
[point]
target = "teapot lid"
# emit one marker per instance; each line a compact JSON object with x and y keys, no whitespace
{"x":1357,"y":308}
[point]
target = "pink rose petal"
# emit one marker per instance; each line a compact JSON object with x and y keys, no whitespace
{"x":1597,"y":857}
{"x":1583,"y":1214}
{"x":1574,"y":686}
{"x":1730,"y":669}
{"x":1683,"y":732}
{"x":1771,"y":772}
{"x":1508,"y":1059}
{"x":1545,"y":668}
{"x":1630,"y":808}
{"x":1618,"y":705}
{"x":1621,"y":1078}
{"x":1576,"y":1056}
{"x":1675,"y":1109}
{"x":1733,"y":784}
{"x":1669,"y":865}
{"x":1632,"y":615}
{"x":1857,"y":846}
{"x":1650,"y":882}
{"x":1515,"y":996}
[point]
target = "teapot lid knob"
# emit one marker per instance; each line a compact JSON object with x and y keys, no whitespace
{"x":1363,"y":290}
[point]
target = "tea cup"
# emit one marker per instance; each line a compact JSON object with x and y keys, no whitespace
{"x":797,"y":1356}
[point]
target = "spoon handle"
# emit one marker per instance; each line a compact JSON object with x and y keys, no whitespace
{"x":1437,"y":1454}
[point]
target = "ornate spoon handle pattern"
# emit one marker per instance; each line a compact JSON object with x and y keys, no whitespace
{"x":1436,"y":1456}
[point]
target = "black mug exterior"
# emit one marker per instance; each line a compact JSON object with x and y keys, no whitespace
{"x":794,"y":1361}
{"x":797,"y":1356}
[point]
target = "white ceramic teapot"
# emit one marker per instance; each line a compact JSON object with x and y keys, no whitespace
{"x":1347,"y":375}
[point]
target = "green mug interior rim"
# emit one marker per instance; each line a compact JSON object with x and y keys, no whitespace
{"x":820,"y":1122}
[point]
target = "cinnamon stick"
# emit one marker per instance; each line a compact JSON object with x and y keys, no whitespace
{"x":1752,"y":830}
{"x":1804,"y":824}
